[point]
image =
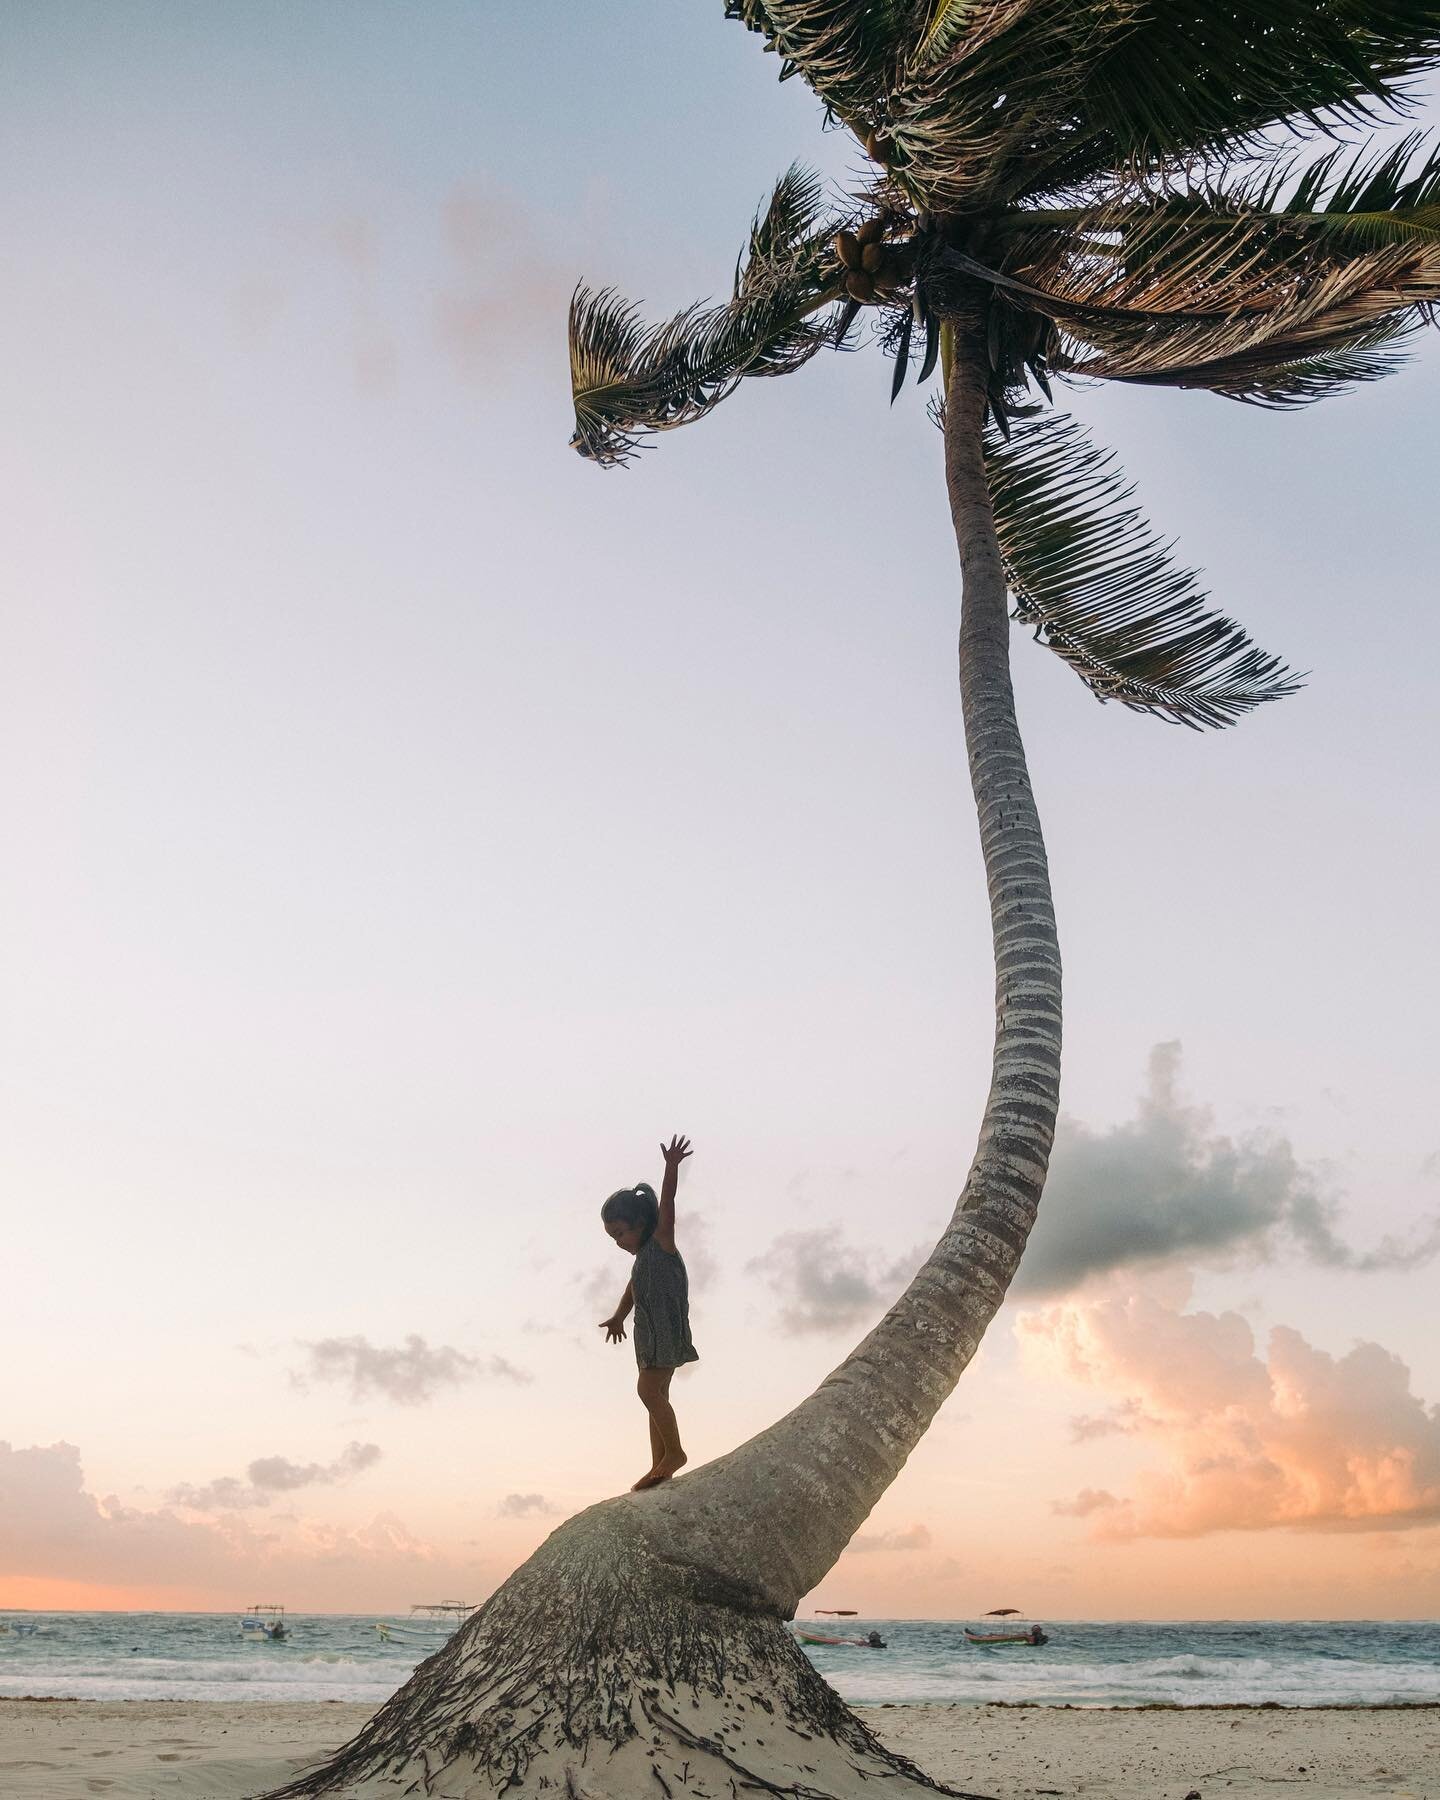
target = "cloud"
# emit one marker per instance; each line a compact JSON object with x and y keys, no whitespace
{"x":1087,"y":1501}
{"x":825,"y":1284}
{"x":524,"y":1506}
{"x":1120,"y":1420}
{"x":270,"y":1475}
{"x":1297,"y":1438}
{"x":917,"y":1537}
{"x":503,"y":280}
{"x":410,"y":1374}
{"x":53,"y":1528}
{"x":1167,"y":1187}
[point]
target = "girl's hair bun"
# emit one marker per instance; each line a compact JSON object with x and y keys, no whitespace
{"x":636,"y":1206}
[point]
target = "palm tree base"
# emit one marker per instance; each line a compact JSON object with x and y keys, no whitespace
{"x":603,"y":1671}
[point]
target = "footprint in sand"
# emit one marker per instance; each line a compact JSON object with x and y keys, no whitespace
{"x":97,"y":1786}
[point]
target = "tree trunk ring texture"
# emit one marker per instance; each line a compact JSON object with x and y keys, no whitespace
{"x":642,"y":1650}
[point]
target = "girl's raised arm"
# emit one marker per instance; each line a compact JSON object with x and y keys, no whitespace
{"x":674,"y":1153}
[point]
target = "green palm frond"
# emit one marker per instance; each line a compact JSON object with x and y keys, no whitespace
{"x":1206,"y":77}
{"x":948,"y":18}
{"x":630,"y":379}
{"x":783,"y":229}
{"x":1209,"y":74}
{"x":845,"y":50}
{"x":1101,"y":590}
{"x":1381,"y":198}
{"x":1015,"y":99}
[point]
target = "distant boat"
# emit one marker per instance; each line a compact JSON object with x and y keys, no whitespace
{"x":443,"y":1609}
{"x":18,"y":1627}
{"x":264,"y":1625}
{"x":873,"y":1641}
{"x":1032,"y":1636}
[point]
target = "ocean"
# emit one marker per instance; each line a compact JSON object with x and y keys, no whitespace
{"x":200,"y":1656}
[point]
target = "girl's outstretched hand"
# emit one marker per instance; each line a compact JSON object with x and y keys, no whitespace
{"x":614,"y":1330}
{"x":676,"y":1151}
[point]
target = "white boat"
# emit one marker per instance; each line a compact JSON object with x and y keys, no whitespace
{"x":264,"y":1625}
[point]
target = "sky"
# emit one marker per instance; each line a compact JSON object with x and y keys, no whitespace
{"x":409,"y":825}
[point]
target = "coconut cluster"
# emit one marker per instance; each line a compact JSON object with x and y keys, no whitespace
{"x":874,"y":270}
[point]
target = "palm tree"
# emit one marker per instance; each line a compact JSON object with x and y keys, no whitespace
{"x":1112,"y":189}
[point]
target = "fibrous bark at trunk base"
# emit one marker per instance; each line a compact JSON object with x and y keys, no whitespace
{"x":643,"y":1647}
{"x":601,"y":1672}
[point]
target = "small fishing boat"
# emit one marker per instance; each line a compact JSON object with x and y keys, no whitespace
{"x":443,"y":1610}
{"x":1031,"y":1635}
{"x":873,"y":1641}
{"x":264,"y":1625}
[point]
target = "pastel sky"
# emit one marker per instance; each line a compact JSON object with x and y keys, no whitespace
{"x":409,"y":824}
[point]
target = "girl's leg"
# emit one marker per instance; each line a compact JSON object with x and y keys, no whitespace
{"x":654,"y":1390}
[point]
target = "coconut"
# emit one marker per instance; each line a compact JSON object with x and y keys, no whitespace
{"x":860,"y":287}
{"x":847,"y":248}
{"x":872,"y":258}
{"x":871,"y":231}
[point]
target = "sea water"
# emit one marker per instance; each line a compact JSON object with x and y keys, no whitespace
{"x":201,"y":1656}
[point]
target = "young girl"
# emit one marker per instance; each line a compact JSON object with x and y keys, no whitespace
{"x":659,"y":1291}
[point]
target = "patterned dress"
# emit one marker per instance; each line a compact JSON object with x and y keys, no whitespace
{"x":662,"y":1308}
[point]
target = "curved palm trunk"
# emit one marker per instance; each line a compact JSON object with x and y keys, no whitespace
{"x":642,"y":1647}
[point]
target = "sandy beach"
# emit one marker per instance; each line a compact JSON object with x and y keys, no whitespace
{"x":207,"y":1750}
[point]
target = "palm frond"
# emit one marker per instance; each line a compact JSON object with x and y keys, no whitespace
{"x":1203,"y":289}
{"x":1020,"y":99}
{"x":630,"y":379}
{"x":1101,"y":590}
{"x":1282,"y":377}
{"x":845,"y":50}
{"x":1000,"y":85}
{"x":948,"y":18}
{"x":1363,"y":305}
{"x":1380,"y":199}
{"x":1207,"y":76}
{"x":782,"y":229}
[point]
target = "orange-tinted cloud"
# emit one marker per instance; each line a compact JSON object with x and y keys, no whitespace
{"x":1297,"y":1438}
{"x":56,"y":1536}
{"x":915,"y":1537}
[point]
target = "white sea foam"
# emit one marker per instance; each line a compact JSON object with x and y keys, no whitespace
{"x":197,"y":1656}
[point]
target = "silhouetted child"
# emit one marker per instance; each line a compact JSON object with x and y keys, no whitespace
{"x":659,"y":1291}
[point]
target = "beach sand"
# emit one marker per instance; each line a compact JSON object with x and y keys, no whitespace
{"x":209,"y":1750}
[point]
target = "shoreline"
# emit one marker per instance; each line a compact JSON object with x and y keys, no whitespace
{"x":1011,"y":1750}
{"x":861,"y":1706}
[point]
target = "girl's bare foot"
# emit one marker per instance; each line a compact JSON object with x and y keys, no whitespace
{"x":669,"y":1464}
